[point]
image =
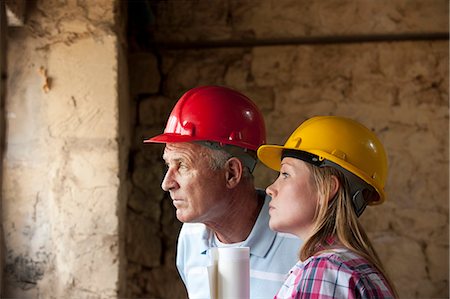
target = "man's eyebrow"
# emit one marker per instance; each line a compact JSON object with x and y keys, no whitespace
{"x":173,"y":159}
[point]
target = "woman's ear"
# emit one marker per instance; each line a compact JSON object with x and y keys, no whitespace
{"x":233,"y":172}
{"x":334,"y":186}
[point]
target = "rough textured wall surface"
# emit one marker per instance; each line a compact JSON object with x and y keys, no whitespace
{"x":152,"y":228}
{"x":61,"y":169}
{"x":3,"y":25}
{"x":398,"y":88}
{"x":182,"y":21}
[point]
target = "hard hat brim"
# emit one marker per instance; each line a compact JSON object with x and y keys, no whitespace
{"x":174,"y":138}
{"x":270,"y":155}
{"x":169,"y":138}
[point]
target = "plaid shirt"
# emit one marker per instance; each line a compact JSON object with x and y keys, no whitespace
{"x":336,"y":273}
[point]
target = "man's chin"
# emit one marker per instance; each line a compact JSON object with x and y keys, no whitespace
{"x":182,"y":217}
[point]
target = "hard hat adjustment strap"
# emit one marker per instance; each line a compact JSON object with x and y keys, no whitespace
{"x":359,"y":190}
{"x":302,"y":155}
{"x":356,"y":185}
{"x":247,"y":157}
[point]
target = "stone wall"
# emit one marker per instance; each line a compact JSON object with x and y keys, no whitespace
{"x":64,"y":167}
{"x":289,"y":20}
{"x":384,"y":63}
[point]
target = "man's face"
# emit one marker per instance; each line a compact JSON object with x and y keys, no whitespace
{"x":198,"y":192}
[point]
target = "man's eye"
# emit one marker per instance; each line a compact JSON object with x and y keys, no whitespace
{"x":284,"y":175}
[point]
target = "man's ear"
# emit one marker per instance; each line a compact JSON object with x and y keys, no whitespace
{"x":334,"y":186}
{"x":233,"y":172}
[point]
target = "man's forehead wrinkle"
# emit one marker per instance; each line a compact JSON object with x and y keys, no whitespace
{"x":181,"y":152}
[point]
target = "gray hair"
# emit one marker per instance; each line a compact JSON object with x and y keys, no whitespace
{"x":218,"y":158}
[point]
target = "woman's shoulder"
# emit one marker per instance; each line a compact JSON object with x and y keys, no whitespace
{"x":349,"y":269}
{"x":342,"y":273}
{"x":341,"y":259}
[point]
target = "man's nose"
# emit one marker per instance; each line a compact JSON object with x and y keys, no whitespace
{"x":168,"y":182}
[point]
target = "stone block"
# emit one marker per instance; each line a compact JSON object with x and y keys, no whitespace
{"x":149,"y":205}
{"x":148,"y":178}
{"x":207,"y":20}
{"x":420,"y":224}
{"x":80,"y":98}
{"x":191,"y":68}
{"x":144,"y":74}
{"x":161,"y":287}
{"x":238,"y":73}
{"x":263,"y":97}
{"x":405,"y":262}
{"x":186,"y":21}
{"x":143,"y":243}
{"x":170,"y":224}
{"x":438,"y":261}
{"x":154,"y":111}
{"x":143,"y":133}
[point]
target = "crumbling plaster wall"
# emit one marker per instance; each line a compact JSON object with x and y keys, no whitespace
{"x":3,"y":26}
{"x":64,"y":167}
{"x":384,"y":63}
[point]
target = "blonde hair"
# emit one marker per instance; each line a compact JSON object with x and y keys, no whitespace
{"x":336,"y":217}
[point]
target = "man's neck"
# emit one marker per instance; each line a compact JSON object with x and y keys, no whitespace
{"x":238,"y":220}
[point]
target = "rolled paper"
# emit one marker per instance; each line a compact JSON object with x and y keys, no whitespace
{"x":233,"y":273}
{"x":212,"y":272}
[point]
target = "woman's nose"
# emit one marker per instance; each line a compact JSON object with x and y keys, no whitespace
{"x":270,"y":190}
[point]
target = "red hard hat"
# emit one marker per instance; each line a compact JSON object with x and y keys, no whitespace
{"x":214,"y":113}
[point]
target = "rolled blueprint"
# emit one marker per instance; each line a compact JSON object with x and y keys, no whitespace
{"x":212,"y":272}
{"x":233,"y":273}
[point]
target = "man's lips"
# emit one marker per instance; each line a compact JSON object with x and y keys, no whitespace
{"x":177,"y":202}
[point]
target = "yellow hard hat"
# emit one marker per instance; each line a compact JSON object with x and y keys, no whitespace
{"x":341,"y":141}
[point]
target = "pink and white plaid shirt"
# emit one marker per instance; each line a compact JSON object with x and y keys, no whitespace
{"x":336,"y":273}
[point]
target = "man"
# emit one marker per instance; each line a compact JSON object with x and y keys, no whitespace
{"x":211,"y":138}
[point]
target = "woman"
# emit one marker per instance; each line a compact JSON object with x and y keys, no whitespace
{"x":330,"y":169}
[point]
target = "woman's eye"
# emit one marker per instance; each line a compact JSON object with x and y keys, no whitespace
{"x":284,"y":174}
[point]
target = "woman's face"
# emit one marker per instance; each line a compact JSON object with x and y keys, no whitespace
{"x":294,"y":199}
